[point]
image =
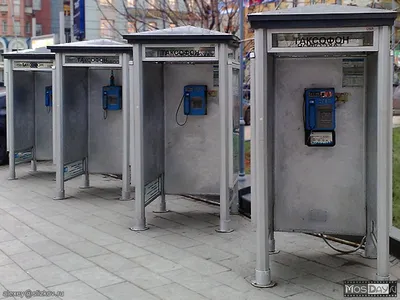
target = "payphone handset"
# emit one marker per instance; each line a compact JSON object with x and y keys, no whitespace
{"x":48,"y":97}
{"x":112,"y":96}
{"x":319,"y":117}
{"x":194,"y":102}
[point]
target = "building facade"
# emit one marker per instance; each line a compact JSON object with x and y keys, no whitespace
{"x":16,"y":18}
{"x":42,"y":13}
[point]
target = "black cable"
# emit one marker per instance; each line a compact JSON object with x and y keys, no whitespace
{"x":342,"y":251}
{"x":176,"y":114}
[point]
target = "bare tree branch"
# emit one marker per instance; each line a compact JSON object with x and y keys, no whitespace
{"x":220,"y":15}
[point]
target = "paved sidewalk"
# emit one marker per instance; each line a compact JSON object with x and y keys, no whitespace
{"x":83,"y":247}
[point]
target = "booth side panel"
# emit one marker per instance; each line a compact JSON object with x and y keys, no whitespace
{"x":318,"y":189}
{"x":153,"y":121}
{"x":192,"y":161}
{"x":371,"y":136}
{"x":43,"y":118}
{"x":75,"y":89}
{"x":24,"y":110}
{"x":105,"y":135}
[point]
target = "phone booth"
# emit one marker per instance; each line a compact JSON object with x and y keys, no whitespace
{"x":29,"y":109}
{"x":92,"y":132}
{"x":185,"y":117}
{"x":322,"y":123}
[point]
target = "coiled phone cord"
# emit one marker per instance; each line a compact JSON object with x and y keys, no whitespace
{"x":177,"y":111}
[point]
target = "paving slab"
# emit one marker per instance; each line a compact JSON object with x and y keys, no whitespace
{"x":83,"y":246}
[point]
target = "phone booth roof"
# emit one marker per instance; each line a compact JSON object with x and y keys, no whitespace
{"x":92,"y":46}
{"x":322,"y":16}
{"x":182,"y":35}
{"x":28,"y":54}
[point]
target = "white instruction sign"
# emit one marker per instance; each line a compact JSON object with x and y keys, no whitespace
{"x":23,"y":156}
{"x":353,"y":72}
{"x":73,"y":170}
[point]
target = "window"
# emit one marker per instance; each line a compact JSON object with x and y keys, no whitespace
{"x":152,"y":26}
{"x":105,"y":2}
{"x":130,"y":3}
{"x":17,"y":28}
{"x":172,"y":4}
{"x":39,"y":29}
{"x":37,"y":4}
{"x":131,"y":27}
{"x":27,"y":28}
{"x":4,"y":27}
{"x":17,"y":7}
{"x":107,"y":28}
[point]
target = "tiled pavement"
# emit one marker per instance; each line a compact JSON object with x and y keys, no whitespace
{"x":83,"y":247}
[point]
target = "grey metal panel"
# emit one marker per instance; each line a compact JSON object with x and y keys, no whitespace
{"x":182,"y":35}
{"x":75,"y":111}
{"x":24,"y":110}
{"x":92,"y":46}
{"x":43,"y":118}
{"x":318,"y":189}
{"x":105,"y":135}
{"x":192,"y":151}
{"x":322,"y":16}
{"x":153,"y":121}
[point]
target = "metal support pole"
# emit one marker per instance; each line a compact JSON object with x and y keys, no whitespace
{"x":132,"y":142}
{"x":33,"y":26}
{"x":260,"y":183}
{"x":33,"y":160}
{"x":224,"y":217}
{"x":58,"y":86}
{"x":126,"y":186}
{"x":10,"y":120}
{"x":71,"y":22}
{"x":241,"y":76}
{"x":54,"y":113}
{"x":86,"y":175}
{"x":384,"y":158}
{"x":253,"y":204}
{"x":62,"y":27}
{"x":163,"y":13}
{"x":163,"y":202}
{"x":140,"y":208}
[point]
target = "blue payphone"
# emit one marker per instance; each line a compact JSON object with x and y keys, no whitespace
{"x":319,"y":117}
{"x":48,"y":97}
{"x":194,"y":102}
{"x":112,"y":96}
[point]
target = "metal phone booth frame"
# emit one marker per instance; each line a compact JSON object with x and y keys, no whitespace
{"x":30,"y":134}
{"x":197,"y":156}
{"x":342,"y":189}
{"x":86,"y":140}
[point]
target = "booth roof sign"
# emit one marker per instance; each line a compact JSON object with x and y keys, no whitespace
{"x":33,"y":65}
{"x":92,"y":60}
{"x":328,"y":39}
{"x":153,"y":52}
